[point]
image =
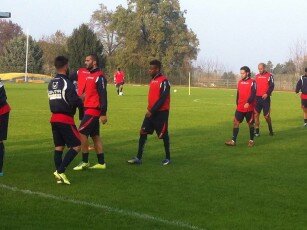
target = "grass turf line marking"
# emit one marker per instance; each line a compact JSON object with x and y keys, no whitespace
{"x":123,"y":212}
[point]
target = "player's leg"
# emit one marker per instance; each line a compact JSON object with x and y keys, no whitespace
{"x":258,"y":108}
{"x":121,"y":89}
{"x":117,"y":89}
{"x":147,"y":128}
{"x":160,"y":122}
{"x":4,"y":119}
{"x":85,"y":130}
{"x":304,"y":108}
{"x":239,"y":116}
{"x":99,"y":151}
{"x":250,"y":121}
{"x":267,"y":114}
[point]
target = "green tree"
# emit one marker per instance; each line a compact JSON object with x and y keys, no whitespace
{"x":81,"y":43}
{"x":8,"y":31}
{"x":269,"y":66}
{"x":53,"y":46}
{"x":154,"y":29}
{"x":14,"y":56}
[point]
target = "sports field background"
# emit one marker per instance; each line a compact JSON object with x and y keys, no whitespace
{"x":208,"y":186}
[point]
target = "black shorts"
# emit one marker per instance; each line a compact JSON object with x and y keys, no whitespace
{"x":120,"y":84}
{"x":157,"y":122}
{"x":65,"y":134}
{"x":249,"y":117}
{"x":89,"y":126}
{"x":304,"y":103}
{"x":4,"y":122}
{"x":264,"y":105}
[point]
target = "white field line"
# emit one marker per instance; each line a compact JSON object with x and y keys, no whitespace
{"x":137,"y":215}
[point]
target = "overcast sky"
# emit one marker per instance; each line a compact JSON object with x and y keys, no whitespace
{"x":235,"y":32}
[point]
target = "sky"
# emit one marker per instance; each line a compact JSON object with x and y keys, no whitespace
{"x":233,"y":32}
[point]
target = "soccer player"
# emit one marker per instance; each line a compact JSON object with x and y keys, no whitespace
{"x":4,"y":120}
{"x":63,"y":101}
{"x":301,"y":86}
{"x":119,"y":80}
{"x":95,"y":106}
{"x":156,"y":118}
{"x":246,"y":94}
{"x":265,"y":87}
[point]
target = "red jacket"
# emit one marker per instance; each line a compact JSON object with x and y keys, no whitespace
{"x":159,"y":94}
{"x":119,"y":77}
{"x":95,"y":91}
{"x":265,"y":84}
{"x":246,"y":94}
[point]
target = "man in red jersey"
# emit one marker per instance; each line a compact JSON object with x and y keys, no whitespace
{"x":94,"y":92}
{"x":245,"y":106}
{"x":301,"y":86}
{"x":156,"y":118}
{"x":4,"y":121}
{"x":265,"y":87}
{"x":119,"y":80}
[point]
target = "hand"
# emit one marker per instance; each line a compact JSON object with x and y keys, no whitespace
{"x":82,"y":97}
{"x":264,"y":96}
{"x":103,"y":119}
{"x":148,"y":114}
{"x":246,"y":106}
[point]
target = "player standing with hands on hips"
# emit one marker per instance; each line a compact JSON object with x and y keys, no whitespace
{"x":4,"y":121}
{"x":246,"y":94}
{"x":95,"y":110}
{"x":265,"y":87}
{"x":156,"y":118}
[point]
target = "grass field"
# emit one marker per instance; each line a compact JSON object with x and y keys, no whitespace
{"x":208,"y":186}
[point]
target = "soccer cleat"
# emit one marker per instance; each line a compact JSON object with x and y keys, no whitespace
{"x":166,"y":162}
{"x":135,"y":161}
{"x":82,"y":166}
{"x":230,"y":143}
{"x":257,"y":134}
{"x":57,"y":177}
{"x":305,"y":125}
{"x":99,"y":166}
{"x":63,"y":178}
{"x":1,"y":174}
{"x":251,"y":143}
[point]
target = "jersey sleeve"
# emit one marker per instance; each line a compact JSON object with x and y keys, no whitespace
{"x":271,"y":85}
{"x":253,"y":93}
{"x":164,"y":93}
{"x":72,"y":97}
{"x":2,"y":94}
{"x":299,"y":85}
{"x":101,"y":84}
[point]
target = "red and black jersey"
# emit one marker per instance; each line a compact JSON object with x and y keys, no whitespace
{"x":95,"y":91}
{"x":63,"y":99}
{"x":119,"y":77}
{"x":265,"y":84}
{"x":159,"y":94}
{"x":301,"y":86}
{"x":246,"y":93}
{"x":4,"y":106}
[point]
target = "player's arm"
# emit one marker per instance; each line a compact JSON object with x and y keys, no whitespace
{"x":72,"y":97}
{"x":237,"y":98}
{"x":253,"y":93}
{"x":271,"y":86}
{"x":164,"y":93}
{"x":101,"y":84}
{"x":2,"y":94}
{"x":298,"y":87}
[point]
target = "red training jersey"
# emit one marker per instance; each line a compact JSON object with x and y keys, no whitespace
{"x":119,"y":77}
{"x":246,"y":94}
{"x":265,"y":84}
{"x":159,"y":94}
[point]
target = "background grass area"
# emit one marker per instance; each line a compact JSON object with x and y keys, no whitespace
{"x":209,"y":185}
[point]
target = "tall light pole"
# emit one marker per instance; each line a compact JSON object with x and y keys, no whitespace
{"x":5,"y":14}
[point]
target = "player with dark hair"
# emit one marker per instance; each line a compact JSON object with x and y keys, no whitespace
{"x":156,"y":118}
{"x":301,"y":86}
{"x":265,"y":87}
{"x":119,"y":81}
{"x":95,"y":108}
{"x":63,"y":101}
{"x":4,"y":121}
{"x":246,"y":94}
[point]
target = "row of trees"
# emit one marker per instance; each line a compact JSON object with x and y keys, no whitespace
{"x":127,"y":37}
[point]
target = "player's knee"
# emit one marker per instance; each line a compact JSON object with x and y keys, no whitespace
{"x":143,"y":132}
{"x":59,"y":148}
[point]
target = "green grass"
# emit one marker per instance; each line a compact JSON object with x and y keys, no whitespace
{"x":208,"y":185}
